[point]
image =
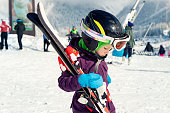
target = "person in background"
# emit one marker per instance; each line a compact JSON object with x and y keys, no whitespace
{"x":148,"y":47}
{"x":4,"y":29}
{"x":20,"y":28}
{"x":74,"y":33}
{"x":169,"y":53}
{"x":46,"y":42}
{"x":161,"y":51}
{"x":130,"y":43}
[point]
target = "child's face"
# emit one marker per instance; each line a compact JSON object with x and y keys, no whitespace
{"x":103,"y":51}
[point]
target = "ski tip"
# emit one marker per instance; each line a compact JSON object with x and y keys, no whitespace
{"x":39,"y":5}
{"x":30,"y":15}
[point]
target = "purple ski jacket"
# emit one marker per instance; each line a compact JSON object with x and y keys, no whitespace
{"x":70,"y":83}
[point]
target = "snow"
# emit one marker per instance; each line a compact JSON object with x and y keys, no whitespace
{"x":143,"y":86}
{"x":28,"y":81}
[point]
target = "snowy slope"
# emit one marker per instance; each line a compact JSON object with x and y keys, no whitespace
{"x":28,"y":81}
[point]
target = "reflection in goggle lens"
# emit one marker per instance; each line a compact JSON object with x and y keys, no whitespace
{"x":119,"y":45}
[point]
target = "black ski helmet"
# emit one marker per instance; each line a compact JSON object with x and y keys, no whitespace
{"x":109,"y":23}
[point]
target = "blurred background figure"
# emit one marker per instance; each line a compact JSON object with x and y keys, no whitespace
{"x":148,"y":47}
{"x":73,"y":33}
{"x":46,"y":42}
{"x":20,"y":28}
{"x":161,"y":51}
{"x":130,"y":43}
{"x":4,"y":34}
{"x":169,"y":53}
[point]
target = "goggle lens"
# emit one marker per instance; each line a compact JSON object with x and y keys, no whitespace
{"x":120,"y":44}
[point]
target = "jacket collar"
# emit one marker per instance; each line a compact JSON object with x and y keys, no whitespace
{"x":94,"y":56}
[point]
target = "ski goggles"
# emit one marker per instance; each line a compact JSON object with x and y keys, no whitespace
{"x":117,"y":42}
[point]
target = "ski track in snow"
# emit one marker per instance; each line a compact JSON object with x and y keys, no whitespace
{"x":29,"y":81}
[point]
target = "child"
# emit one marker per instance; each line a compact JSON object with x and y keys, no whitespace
{"x":101,"y":31}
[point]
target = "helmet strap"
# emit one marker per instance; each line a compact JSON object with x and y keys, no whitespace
{"x":99,"y":57}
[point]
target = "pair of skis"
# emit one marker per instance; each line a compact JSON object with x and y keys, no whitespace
{"x":41,"y":21}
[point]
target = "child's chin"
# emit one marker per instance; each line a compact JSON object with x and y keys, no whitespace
{"x":103,"y":55}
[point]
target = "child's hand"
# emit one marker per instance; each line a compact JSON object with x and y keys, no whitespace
{"x":91,"y":80}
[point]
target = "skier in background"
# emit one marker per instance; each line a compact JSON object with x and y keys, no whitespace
{"x":73,"y":33}
{"x":98,"y":30}
{"x":20,"y":28}
{"x":130,"y":43}
{"x":161,"y":51}
{"x":4,"y":34}
{"x":148,"y":47}
{"x":46,"y":43}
